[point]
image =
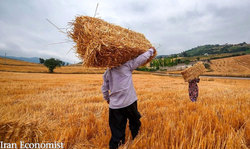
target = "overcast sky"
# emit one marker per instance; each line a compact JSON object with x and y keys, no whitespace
{"x":171,"y":25}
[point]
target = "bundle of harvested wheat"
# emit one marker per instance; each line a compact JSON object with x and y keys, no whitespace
{"x":101,"y":44}
{"x":193,"y":72}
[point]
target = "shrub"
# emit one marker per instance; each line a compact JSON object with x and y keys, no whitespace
{"x":187,"y":62}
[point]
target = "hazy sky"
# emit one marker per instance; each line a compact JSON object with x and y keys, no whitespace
{"x":171,"y":25}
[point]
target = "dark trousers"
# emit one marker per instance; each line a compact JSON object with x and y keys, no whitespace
{"x":117,"y":123}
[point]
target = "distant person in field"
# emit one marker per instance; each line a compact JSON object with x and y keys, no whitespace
{"x":193,"y":89}
{"x":119,"y":92}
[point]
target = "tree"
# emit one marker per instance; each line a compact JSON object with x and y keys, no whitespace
{"x":41,"y":60}
{"x":63,"y":63}
{"x":178,"y":61}
{"x":243,"y":43}
{"x":52,"y":63}
{"x":185,"y":54}
{"x":156,"y":64}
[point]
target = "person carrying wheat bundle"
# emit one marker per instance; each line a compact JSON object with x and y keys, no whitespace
{"x":191,"y":75}
{"x":119,"y":92}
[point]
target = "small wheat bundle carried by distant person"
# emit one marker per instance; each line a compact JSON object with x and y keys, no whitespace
{"x":193,"y":72}
{"x":101,"y":44}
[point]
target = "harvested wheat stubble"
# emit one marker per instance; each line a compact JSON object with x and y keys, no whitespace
{"x":101,"y":44}
{"x":193,"y":72}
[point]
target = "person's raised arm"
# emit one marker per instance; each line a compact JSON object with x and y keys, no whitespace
{"x":141,"y":59}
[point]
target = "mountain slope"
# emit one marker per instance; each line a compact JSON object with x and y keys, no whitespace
{"x":217,"y":49}
{"x":27,"y":59}
{"x":9,"y":61}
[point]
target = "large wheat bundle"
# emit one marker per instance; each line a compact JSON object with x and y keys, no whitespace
{"x":193,"y":72}
{"x":101,"y":44}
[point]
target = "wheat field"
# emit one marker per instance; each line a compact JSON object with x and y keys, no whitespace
{"x":69,"y":108}
{"x":233,"y":66}
{"x":11,"y":65}
{"x":238,"y":66}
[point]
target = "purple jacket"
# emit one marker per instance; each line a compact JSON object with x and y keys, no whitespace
{"x":118,"y":85}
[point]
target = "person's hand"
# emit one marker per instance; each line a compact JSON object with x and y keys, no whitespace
{"x":153,"y":49}
{"x":107,"y":101}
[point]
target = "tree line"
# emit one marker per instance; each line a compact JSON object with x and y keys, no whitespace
{"x":167,"y":62}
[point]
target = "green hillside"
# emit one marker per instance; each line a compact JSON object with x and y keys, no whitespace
{"x":217,"y":49}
